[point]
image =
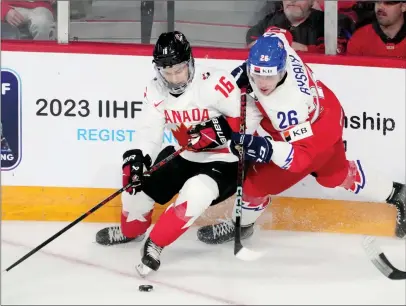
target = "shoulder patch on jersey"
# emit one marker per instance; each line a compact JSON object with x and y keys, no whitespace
{"x":205,"y":75}
{"x":298,"y":132}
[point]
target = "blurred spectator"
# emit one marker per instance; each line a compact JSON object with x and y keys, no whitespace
{"x":9,"y":32}
{"x":344,"y":7}
{"x":269,"y":7}
{"x":34,"y":19}
{"x":80,"y":9}
{"x":365,"y":13}
{"x":385,"y":36}
{"x":305,"y":24}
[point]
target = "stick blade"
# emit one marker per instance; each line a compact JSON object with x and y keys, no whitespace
{"x":373,"y":251}
{"x":380,"y":261}
{"x":248,"y":255}
{"x":371,"y":248}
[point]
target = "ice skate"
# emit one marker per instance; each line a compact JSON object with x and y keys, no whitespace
{"x":398,"y":199}
{"x":113,"y":235}
{"x":222,"y":232}
{"x":151,"y":254}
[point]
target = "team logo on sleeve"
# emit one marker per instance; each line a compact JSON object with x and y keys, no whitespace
{"x":10,"y":119}
{"x":205,"y":75}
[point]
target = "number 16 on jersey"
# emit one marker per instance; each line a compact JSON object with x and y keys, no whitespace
{"x":224,"y":86}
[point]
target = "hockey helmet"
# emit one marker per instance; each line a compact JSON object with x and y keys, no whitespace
{"x":267,"y":60}
{"x":172,"y":49}
{"x":267,"y":56}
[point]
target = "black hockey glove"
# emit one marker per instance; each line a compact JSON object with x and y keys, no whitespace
{"x":256,"y":148}
{"x":210,"y":134}
{"x":133,"y":169}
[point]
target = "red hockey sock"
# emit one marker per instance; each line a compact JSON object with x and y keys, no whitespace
{"x":134,"y":228}
{"x":171,"y":225}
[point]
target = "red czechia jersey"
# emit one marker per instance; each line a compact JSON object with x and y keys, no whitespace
{"x":302,"y":116}
{"x":211,"y":93}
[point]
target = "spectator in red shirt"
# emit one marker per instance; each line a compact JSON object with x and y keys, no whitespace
{"x":34,"y":16}
{"x":385,"y":36}
{"x":305,"y":24}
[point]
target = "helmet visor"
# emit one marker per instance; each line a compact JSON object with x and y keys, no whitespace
{"x":176,"y":77}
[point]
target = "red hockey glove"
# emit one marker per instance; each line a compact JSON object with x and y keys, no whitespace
{"x":210,"y":134}
{"x":133,"y":169}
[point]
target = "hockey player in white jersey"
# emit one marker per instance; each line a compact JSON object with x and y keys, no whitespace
{"x":300,"y":135}
{"x":200,"y":108}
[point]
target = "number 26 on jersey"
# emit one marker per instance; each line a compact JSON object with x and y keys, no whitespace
{"x":287,"y":119}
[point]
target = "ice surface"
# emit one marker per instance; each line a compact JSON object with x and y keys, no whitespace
{"x":298,"y":268}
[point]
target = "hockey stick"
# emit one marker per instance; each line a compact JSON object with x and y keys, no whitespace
{"x":380,"y":260}
{"x":92,"y":210}
{"x":240,"y":251}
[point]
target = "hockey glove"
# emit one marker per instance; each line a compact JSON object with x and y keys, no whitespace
{"x":133,"y":169}
{"x":210,"y":134}
{"x":257,"y":149}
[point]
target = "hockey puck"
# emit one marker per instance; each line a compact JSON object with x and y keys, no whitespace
{"x":145,"y":288}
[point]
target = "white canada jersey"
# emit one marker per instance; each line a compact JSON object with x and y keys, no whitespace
{"x":210,"y":94}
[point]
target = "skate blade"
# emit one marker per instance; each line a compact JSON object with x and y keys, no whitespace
{"x":143,"y":270}
{"x":248,"y":255}
{"x":139,"y":238}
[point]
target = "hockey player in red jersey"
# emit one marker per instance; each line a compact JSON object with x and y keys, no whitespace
{"x":300,"y":134}
{"x":201,"y":108}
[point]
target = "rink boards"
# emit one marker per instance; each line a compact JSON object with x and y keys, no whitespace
{"x":67,"y":204}
{"x":69,"y":112}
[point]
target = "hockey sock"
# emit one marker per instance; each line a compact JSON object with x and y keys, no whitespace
{"x":194,"y":198}
{"x":136,"y":214}
{"x":252,"y":208}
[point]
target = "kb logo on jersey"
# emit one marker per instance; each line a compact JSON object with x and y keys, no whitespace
{"x":298,"y":132}
{"x":10,"y":119}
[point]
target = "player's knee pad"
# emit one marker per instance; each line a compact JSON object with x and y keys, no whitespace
{"x":136,"y":213}
{"x":196,"y":196}
{"x":252,"y":208}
